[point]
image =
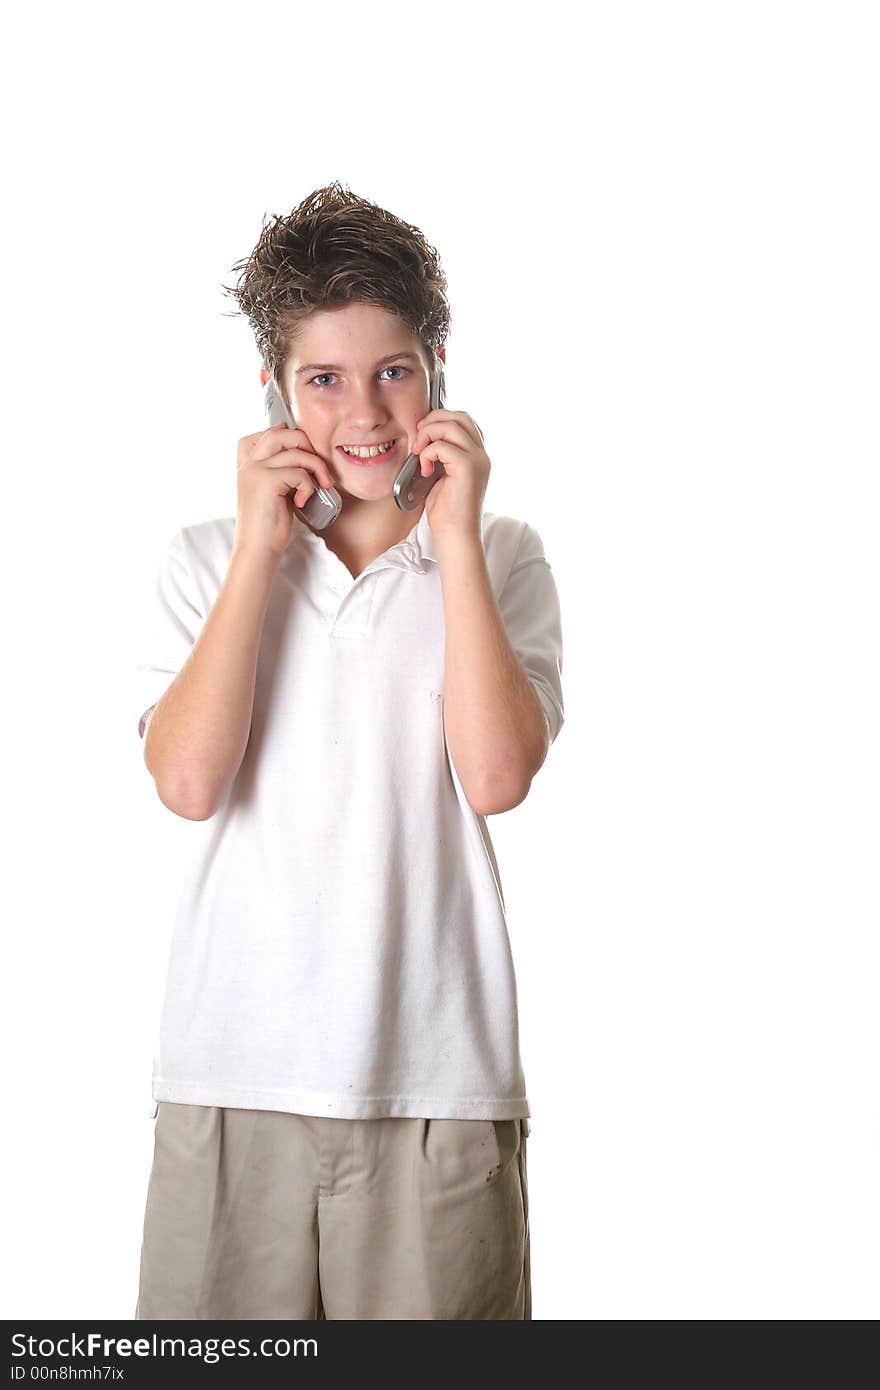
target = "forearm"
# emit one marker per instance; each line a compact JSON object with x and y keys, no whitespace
{"x":494,"y":720}
{"x":199,"y":731}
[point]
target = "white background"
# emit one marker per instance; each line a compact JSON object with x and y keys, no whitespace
{"x":660,"y":230}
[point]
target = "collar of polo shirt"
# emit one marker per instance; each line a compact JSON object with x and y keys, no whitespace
{"x":417,"y":550}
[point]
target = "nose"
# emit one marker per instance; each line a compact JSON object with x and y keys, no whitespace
{"x":365,"y":408}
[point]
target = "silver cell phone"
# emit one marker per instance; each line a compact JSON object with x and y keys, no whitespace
{"x":325,"y":504}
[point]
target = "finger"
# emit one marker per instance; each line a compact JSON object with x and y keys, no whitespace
{"x":469,"y":425}
{"x":454,"y":431}
{"x":301,"y":494}
{"x":459,"y":417}
{"x":429,"y":455}
{"x":472,"y":429}
{"x":430,"y":458}
{"x":283,"y":437}
{"x":302,"y":489}
{"x":318,"y":467}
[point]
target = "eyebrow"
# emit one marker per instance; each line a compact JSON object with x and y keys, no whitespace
{"x":332,"y":366}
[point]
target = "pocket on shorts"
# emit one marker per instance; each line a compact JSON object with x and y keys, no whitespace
{"x":507,"y":1144}
{"x":464,"y":1145}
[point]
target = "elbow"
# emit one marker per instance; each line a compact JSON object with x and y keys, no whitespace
{"x":179,"y":793}
{"x":510,"y":786}
{"x":498,"y":798}
{"x":184,"y":802}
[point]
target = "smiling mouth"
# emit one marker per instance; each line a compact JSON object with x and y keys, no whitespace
{"x":366,"y":461}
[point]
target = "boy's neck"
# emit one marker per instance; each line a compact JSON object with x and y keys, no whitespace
{"x":365,"y":530}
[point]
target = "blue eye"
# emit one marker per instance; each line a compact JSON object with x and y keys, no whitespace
{"x":316,"y":380}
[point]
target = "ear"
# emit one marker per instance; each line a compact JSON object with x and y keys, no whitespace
{"x":264,"y":376}
{"x":441,"y":353}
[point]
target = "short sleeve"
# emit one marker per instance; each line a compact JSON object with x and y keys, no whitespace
{"x":529,"y":607}
{"x":174,"y":620}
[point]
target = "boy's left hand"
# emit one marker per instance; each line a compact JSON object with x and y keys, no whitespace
{"x":455,"y":503}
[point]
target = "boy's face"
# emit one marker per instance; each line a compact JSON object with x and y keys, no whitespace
{"x":344,"y":393}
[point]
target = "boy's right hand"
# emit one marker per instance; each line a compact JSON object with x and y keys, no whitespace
{"x":277,"y":470}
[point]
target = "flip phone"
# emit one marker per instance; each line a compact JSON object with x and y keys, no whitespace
{"x":410,"y":487}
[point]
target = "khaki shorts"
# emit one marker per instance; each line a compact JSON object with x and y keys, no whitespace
{"x":265,"y":1214}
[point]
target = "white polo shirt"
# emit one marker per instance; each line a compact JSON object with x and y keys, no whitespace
{"x":340,"y":945}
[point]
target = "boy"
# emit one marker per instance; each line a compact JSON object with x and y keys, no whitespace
{"x":342,"y":1114}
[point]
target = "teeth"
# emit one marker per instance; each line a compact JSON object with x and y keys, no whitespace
{"x":368,"y":453}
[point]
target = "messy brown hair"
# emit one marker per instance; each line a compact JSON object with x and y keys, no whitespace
{"x":335,"y":248}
